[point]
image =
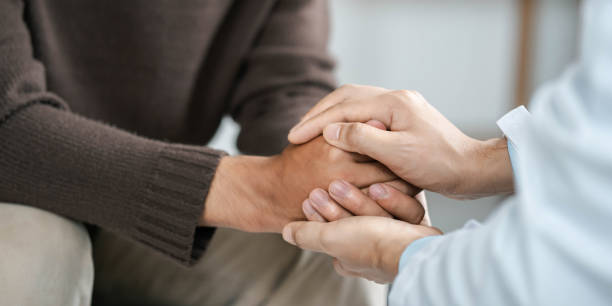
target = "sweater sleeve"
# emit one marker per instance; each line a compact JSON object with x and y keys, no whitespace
{"x":284,"y":74}
{"x":50,"y":158}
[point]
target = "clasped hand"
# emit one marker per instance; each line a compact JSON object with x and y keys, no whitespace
{"x":420,"y":146}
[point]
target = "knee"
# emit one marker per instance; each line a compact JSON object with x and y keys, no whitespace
{"x":43,"y":252}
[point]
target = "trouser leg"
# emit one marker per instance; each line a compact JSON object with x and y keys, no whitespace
{"x":45,"y":259}
{"x":237,"y":269}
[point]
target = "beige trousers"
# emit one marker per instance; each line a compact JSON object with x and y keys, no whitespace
{"x":237,"y":269}
{"x":46,"y":259}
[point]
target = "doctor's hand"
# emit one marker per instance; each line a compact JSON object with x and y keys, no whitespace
{"x":368,"y":247}
{"x":421,"y":146}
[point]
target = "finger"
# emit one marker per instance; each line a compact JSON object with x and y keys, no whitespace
{"x":326,"y":207}
{"x":402,"y":206}
{"x":341,"y":94}
{"x":304,"y":234}
{"x":353,"y":200}
{"x":310,"y":213}
{"x":404,"y":187}
{"x":366,"y":174}
{"x":363,"y":139}
{"x":332,"y":98}
{"x":364,"y":158}
{"x":347,"y":111}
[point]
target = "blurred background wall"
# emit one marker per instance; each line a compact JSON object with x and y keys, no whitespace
{"x":463,"y":56}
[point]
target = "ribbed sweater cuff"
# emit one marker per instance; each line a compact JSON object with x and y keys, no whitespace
{"x":147,"y":190}
{"x":174,"y":201}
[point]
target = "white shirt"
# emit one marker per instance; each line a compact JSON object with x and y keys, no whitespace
{"x":551,"y":243}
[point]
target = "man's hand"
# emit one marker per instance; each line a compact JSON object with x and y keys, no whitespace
{"x":422,"y":146}
{"x":368,"y":247}
{"x":262,"y":194}
{"x":393,"y":199}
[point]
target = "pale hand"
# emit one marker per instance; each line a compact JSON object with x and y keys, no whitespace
{"x":363,"y":246}
{"x":421,"y":146}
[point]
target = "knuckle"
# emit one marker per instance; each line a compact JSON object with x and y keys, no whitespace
{"x":417,"y":95}
{"x":351,"y":134}
{"x":348,"y":87}
{"x":326,"y":239}
{"x":404,"y":93}
{"x":396,"y":101}
{"x":334,"y":213}
{"x":358,"y":202}
{"x":298,"y":237}
{"x":389,"y":205}
{"x":406,"y":97}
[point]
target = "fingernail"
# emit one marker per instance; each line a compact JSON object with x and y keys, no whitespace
{"x":339,"y":188}
{"x":307,"y":208}
{"x":288,"y":235}
{"x":319,"y":198}
{"x":332,"y":132}
{"x":377,"y":191}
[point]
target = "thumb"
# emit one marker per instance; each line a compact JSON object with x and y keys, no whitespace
{"x":360,"y":138}
{"x":304,"y":234}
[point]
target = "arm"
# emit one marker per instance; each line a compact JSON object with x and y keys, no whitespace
{"x":143,"y":189}
{"x":287,"y":70}
{"x":147,"y":190}
{"x":549,"y":245}
{"x":448,"y":162}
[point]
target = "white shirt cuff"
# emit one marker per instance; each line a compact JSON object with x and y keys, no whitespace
{"x":513,"y":125}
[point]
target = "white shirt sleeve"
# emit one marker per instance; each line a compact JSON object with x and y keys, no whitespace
{"x":513,"y":125}
{"x":550,"y":244}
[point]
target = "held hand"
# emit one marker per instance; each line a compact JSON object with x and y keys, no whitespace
{"x":368,"y":247}
{"x":422,"y":146}
{"x":393,"y":199}
{"x":262,"y":194}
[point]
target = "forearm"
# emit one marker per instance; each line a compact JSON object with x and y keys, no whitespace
{"x":142,"y":189}
{"x":285,"y":73}
{"x":266,"y":118}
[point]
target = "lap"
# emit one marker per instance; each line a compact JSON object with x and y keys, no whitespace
{"x":46,"y":258}
{"x":237,"y":269}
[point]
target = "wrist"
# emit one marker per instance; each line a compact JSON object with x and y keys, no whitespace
{"x":488,"y":169}
{"x":239,"y":188}
{"x":417,"y":236}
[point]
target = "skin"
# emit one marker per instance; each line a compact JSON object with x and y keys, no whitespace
{"x":390,"y":200}
{"x":262,"y":194}
{"x":420,"y":146}
{"x":363,"y":246}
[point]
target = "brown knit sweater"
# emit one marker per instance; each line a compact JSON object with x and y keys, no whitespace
{"x":95,"y":97}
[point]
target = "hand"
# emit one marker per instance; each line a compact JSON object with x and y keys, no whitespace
{"x":368,"y":247}
{"x":262,"y":194}
{"x":422,"y":147}
{"x":392,"y":199}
